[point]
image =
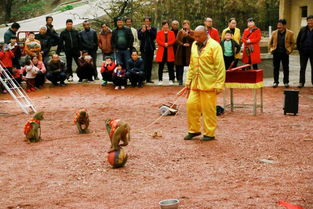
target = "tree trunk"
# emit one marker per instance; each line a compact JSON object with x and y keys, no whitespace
{"x":7,"y":9}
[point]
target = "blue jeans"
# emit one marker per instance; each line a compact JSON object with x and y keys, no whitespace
{"x":55,"y":77}
{"x":122,"y":57}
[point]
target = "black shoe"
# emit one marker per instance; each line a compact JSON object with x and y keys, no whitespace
{"x":275,"y":85}
{"x":140,"y":85}
{"x":301,"y":85}
{"x":80,"y":80}
{"x":189,"y":136}
{"x":96,"y":78}
{"x":207,"y":138}
{"x":62,"y":84}
{"x":150,"y":81}
{"x":180,"y":83}
{"x":286,"y":85}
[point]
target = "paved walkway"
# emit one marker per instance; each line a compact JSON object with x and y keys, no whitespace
{"x":88,"y":11}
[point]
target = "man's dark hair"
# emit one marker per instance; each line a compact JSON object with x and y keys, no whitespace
{"x":15,"y":25}
{"x":228,"y":31}
{"x":31,"y":33}
{"x":134,"y":50}
{"x":282,"y":21}
{"x":149,"y":18}
{"x":49,"y":17}
{"x":128,"y":18}
{"x":231,"y":19}
{"x":164,"y":22}
{"x":309,"y":17}
{"x":250,"y":19}
{"x":13,"y":37}
{"x":119,"y":19}
{"x":86,"y":21}
{"x":104,"y":23}
{"x":69,"y":20}
{"x":84,"y":51}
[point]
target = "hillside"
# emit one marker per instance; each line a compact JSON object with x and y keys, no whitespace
{"x":24,"y":9}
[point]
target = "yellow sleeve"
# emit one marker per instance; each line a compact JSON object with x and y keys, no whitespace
{"x":270,"y":43}
{"x":220,"y":67}
{"x":190,"y":73}
{"x":293,"y":42}
{"x":223,"y":34}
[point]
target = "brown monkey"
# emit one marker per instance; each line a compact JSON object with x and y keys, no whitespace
{"x":32,"y":128}
{"x":82,"y":120}
{"x":118,"y":131}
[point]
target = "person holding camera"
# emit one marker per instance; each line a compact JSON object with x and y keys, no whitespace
{"x":184,"y":41}
{"x":147,"y":35}
{"x":251,"y":39}
{"x":85,"y":68}
{"x":107,"y":68}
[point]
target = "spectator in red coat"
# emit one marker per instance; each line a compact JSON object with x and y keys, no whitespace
{"x":213,"y":32}
{"x":6,"y":58}
{"x":165,"y":54}
{"x":107,"y":68}
{"x":251,"y":39}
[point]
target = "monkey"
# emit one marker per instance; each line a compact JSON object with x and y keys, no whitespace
{"x":82,"y":120}
{"x":32,"y":129}
{"x":118,"y":131}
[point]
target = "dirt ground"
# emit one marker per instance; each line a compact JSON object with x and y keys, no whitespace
{"x":68,"y":170}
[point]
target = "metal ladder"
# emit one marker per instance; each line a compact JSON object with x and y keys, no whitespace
{"x":16,"y":91}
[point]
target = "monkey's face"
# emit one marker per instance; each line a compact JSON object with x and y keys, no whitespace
{"x":39,"y":116}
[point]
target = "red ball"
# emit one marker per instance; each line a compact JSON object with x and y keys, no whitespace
{"x":117,"y":158}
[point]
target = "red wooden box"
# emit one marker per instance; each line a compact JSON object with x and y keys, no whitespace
{"x":244,"y":76}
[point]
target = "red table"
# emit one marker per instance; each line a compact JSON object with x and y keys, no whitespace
{"x":251,"y":79}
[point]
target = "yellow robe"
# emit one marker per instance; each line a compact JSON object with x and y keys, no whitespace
{"x":206,"y":75}
{"x":236,"y":37}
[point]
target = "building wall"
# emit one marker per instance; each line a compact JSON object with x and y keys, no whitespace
{"x":291,"y":11}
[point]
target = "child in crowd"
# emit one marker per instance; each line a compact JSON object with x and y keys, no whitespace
{"x":107,"y":68}
{"x":119,"y":77}
{"x":17,"y":51}
{"x":230,"y":49}
{"x":6,"y":57}
{"x":31,"y":72}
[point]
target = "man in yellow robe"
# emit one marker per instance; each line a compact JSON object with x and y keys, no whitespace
{"x":205,"y":79}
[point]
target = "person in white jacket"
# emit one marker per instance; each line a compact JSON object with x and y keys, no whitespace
{"x":129,"y":22}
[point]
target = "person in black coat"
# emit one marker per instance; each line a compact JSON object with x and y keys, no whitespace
{"x":44,"y":42}
{"x":70,"y":44}
{"x":89,"y":43}
{"x":51,"y":33}
{"x":122,"y":41}
{"x":135,"y":71}
{"x":85,"y":69}
{"x":305,"y":47}
{"x":147,"y":35}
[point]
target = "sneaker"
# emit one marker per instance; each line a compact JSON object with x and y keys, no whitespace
{"x":275,"y":85}
{"x":62,"y":84}
{"x":80,"y":80}
{"x":189,"y":136}
{"x":286,"y":85}
{"x":171,"y":83}
{"x":301,"y":85}
{"x":140,"y":85}
{"x":180,"y":83}
{"x":28,"y":90}
{"x":150,"y":81}
{"x":122,"y":87}
{"x":160,"y":83}
{"x":96,"y":78}
{"x":104,"y":83}
{"x":70,"y":79}
{"x":207,"y":138}
{"x":90,"y":81}
{"x":4,"y":91}
{"x":116,"y":87}
{"x":32,"y":89}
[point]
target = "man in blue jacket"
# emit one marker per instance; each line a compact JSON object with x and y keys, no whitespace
{"x":135,"y":71}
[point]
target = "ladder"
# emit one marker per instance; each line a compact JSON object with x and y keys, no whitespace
{"x":16,"y":91}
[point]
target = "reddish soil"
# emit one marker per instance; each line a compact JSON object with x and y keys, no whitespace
{"x":68,"y":170}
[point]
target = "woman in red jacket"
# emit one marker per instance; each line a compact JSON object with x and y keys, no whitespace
{"x":165,"y":54}
{"x":251,"y":39}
